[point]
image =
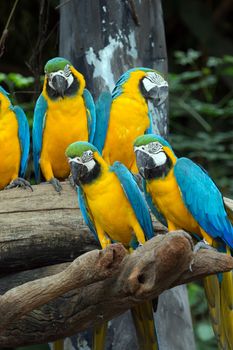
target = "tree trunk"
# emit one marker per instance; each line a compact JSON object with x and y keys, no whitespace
{"x":103,"y":39}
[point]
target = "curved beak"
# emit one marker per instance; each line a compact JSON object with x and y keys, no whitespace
{"x":158,"y":94}
{"x":60,"y":84}
{"x":144,"y":163}
{"x":78,"y":170}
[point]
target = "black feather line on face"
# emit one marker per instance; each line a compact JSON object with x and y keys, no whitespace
{"x":159,"y":171}
{"x":71,"y":91}
{"x":91,"y":175}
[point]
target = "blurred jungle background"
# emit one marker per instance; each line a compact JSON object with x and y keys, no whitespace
{"x":200,"y":57}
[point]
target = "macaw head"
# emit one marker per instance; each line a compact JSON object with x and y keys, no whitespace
{"x":154,"y":156}
{"x":148,"y":82}
{"x":84,"y":160}
{"x":62,"y":79}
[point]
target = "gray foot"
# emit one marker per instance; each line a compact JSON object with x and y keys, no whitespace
{"x":200,"y":245}
{"x":19,"y":182}
{"x":56,"y":184}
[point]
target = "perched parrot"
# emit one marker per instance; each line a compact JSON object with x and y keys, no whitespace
{"x":181,"y":193}
{"x":64,"y":113}
{"x":103,"y":191}
{"x":14,"y":144}
{"x":124,"y":115}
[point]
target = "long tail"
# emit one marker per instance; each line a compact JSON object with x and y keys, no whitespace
{"x":144,"y":324}
{"x":219,"y":292}
{"x":99,"y":336}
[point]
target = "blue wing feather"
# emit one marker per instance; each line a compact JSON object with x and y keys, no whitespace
{"x":37,"y":132}
{"x":103,"y":107}
{"x":90,"y":105}
{"x":150,"y":129}
{"x":135,"y":198}
{"x":159,"y":216}
{"x":204,"y":200}
{"x":24,"y":137}
{"x":85,"y":213}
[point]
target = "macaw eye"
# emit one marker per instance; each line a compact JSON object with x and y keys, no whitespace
{"x":87,"y":155}
{"x":67,"y":71}
{"x":155,"y":147}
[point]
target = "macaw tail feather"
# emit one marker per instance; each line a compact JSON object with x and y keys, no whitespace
{"x":219,"y":293}
{"x":99,"y":336}
{"x":58,"y":345}
{"x":144,"y":324}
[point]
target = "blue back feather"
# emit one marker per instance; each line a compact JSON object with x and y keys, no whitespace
{"x":103,"y":107}
{"x":37,"y":132}
{"x":203,"y":199}
{"x":90,"y":105}
{"x":85,"y":213}
{"x":135,"y":198}
{"x":24,"y":137}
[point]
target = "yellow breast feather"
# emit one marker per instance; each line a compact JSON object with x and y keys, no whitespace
{"x":66,"y":122}
{"x":10,"y":146}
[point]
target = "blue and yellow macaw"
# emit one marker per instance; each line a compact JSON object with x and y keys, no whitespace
{"x":14,"y":144}
{"x":64,"y":113}
{"x":182,"y":194}
{"x":103,"y":191}
{"x":124,"y":114}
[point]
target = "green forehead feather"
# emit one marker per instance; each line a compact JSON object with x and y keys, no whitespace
{"x":76,"y":149}
{"x":55,"y":64}
{"x":146,"y":139}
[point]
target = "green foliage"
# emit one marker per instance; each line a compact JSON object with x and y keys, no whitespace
{"x":201,"y":128}
{"x":205,"y":339}
{"x":201,"y":111}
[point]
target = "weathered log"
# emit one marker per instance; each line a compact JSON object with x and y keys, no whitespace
{"x":41,"y":228}
{"x":161,"y":263}
{"x":87,"y":269}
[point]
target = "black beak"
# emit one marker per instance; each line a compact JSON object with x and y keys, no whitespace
{"x":60,"y":84}
{"x":145,"y":163}
{"x":158,"y":94}
{"x":78,"y":171}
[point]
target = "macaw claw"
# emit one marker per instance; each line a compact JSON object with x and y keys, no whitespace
{"x":56,"y":184}
{"x":19,"y":182}
{"x":200,"y":245}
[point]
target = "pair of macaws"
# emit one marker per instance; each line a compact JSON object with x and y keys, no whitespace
{"x":180,"y":193}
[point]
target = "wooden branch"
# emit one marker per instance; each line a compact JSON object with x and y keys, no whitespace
{"x":20,"y":300}
{"x":43,"y":228}
{"x":159,"y":264}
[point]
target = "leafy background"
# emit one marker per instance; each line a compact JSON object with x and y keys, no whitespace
{"x":199,"y":44}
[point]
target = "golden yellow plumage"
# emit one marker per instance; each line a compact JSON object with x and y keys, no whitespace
{"x":9,"y":143}
{"x":66,"y":122}
{"x":128,"y":119}
{"x":119,"y":221}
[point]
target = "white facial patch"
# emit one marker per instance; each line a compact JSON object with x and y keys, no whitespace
{"x":90,"y":164}
{"x":153,"y":79}
{"x":159,"y":158}
{"x":66,"y":73}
